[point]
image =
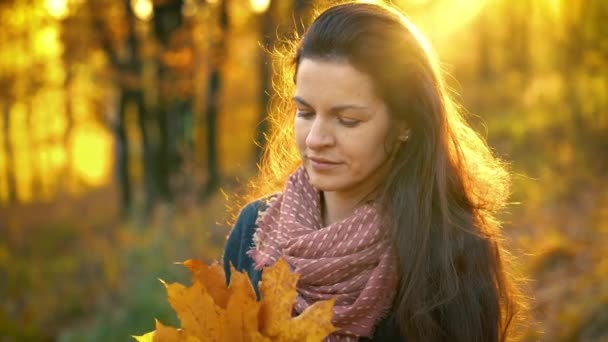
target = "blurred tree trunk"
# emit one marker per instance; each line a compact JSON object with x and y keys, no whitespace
{"x":122,"y":160}
{"x":213,"y":180}
{"x":144,"y":120}
{"x":127,"y":66}
{"x":215,"y":83}
{"x":8,"y":152}
{"x":34,"y":149}
{"x":265,"y":62}
{"x":164,"y":152}
{"x":484,"y":60}
{"x":133,"y":68}
{"x":118,"y":126}
{"x":7,"y":79}
{"x":31,"y":85}
{"x":582,"y":60}
{"x":167,"y":20}
{"x":69,"y":126}
{"x":518,"y":41}
{"x":572,"y":53}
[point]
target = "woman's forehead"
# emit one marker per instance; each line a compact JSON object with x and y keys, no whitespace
{"x":333,"y":81}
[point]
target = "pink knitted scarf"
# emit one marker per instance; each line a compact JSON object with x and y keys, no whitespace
{"x":351,"y":260}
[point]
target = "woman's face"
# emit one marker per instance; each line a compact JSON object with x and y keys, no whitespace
{"x":340,"y":126}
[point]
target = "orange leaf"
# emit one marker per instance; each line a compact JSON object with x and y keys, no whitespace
{"x":212,"y":277}
{"x":210,"y":311}
{"x":278,"y":290}
{"x":242,"y":309}
{"x":167,"y":334}
{"x":197,"y":312}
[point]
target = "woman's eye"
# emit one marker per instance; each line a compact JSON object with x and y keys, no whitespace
{"x":349,"y":122}
{"x":304,"y":114}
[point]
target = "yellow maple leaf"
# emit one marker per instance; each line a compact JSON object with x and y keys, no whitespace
{"x":278,"y":298}
{"x":210,"y":311}
{"x":212,"y":277}
{"x":166,"y":334}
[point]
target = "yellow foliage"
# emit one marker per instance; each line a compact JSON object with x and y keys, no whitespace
{"x":210,"y":311}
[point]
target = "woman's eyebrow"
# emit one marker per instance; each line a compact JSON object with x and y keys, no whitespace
{"x":301,"y":101}
{"x":335,"y":109}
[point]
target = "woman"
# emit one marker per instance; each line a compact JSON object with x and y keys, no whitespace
{"x":382,"y":196}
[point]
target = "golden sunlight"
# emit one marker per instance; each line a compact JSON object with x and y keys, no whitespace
{"x":23,"y":167}
{"x":189,"y":8}
{"x":22,"y":147}
{"x":444,"y":17}
{"x":3,"y":169}
{"x":57,"y":8}
{"x":46,"y":42}
{"x":56,"y":157}
{"x":143,"y":9}
{"x":91,"y":148}
{"x":417,"y":2}
{"x":259,"y":6}
{"x":554,"y":6}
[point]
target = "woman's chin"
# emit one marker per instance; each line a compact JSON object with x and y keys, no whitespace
{"x":324,"y":183}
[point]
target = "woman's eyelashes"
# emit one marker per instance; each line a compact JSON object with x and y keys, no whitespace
{"x":348,"y":122}
{"x":305,"y":114}
{"x":345,"y":121}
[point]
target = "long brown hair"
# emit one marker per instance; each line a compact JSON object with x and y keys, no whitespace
{"x":444,"y":186}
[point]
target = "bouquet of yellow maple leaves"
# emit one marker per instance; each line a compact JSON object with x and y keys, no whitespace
{"x":210,"y":311}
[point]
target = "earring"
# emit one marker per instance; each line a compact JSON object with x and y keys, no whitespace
{"x":404,"y":136}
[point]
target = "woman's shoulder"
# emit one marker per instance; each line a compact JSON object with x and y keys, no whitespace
{"x":249,"y":213}
{"x":241,"y":234}
{"x":240,"y":241}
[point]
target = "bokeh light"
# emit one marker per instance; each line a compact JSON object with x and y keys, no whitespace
{"x":57,"y":8}
{"x":91,"y":147}
{"x":143,"y":9}
{"x":259,"y":6}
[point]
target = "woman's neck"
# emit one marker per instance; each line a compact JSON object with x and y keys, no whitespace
{"x":336,"y":206}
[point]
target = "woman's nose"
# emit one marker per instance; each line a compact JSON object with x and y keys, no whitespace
{"x":320,"y":134}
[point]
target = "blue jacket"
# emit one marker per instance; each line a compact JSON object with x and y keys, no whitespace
{"x":240,"y":241}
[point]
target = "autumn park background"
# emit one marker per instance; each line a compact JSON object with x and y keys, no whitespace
{"x":123,"y":124}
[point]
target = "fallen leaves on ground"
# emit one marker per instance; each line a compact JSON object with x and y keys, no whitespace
{"x":210,"y":311}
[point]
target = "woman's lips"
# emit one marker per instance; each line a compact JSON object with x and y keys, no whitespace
{"x":321,"y":164}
